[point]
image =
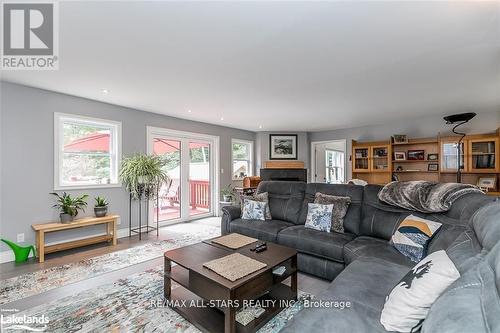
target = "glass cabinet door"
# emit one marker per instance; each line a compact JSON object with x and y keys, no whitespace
{"x":449,"y":156}
{"x":483,"y":155}
{"x":380,"y":158}
{"x":361,"y":159}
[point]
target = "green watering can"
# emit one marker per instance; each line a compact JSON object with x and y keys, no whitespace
{"x":20,"y":252}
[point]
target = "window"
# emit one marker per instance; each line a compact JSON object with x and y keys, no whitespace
{"x":87,"y":152}
{"x":334,"y":166}
{"x":242,"y":158}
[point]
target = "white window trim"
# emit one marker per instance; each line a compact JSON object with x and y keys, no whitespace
{"x":58,"y":117}
{"x":250,"y":168}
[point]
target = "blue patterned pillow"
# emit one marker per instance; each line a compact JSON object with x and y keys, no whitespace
{"x":413,"y":237}
{"x":319,"y":217}
{"x":254,"y":210}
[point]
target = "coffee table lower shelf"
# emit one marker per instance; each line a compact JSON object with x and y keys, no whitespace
{"x":212,"y":320}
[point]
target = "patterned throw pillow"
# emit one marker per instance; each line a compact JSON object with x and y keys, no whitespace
{"x":409,"y":302}
{"x":254,"y":210}
{"x":413,"y":237}
{"x":340,"y":207}
{"x":319,"y":217}
{"x":264,"y":197}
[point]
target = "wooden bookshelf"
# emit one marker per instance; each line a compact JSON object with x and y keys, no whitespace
{"x":479,"y":158}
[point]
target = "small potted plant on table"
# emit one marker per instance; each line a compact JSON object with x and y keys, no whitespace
{"x":69,"y":206}
{"x":227,"y":193}
{"x":100,"y":207}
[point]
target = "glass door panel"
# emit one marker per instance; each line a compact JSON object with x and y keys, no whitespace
{"x":449,"y":156}
{"x":170,"y":193}
{"x":380,"y":159}
{"x":199,"y":178}
{"x":361,"y":161}
{"x":483,"y":153}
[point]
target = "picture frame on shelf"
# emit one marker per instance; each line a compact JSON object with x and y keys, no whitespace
{"x":487,"y":183}
{"x":399,"y":156}
{"x":416,"y":155}
{"x":433,"y":167}
{"x":400,"y":138}
{"x":283,"y":146}
{"x":432,"y":157}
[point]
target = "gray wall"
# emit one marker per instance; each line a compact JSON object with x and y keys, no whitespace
{"x":26,"y":143}
{"x":484,"y":122}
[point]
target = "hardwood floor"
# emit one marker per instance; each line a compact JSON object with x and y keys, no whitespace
{"x":306,"y":283}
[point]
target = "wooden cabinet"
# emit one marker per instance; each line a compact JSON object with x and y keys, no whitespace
{"x":380,"y":157}
{"x":483,"y":154}
{"x":361,"y":159}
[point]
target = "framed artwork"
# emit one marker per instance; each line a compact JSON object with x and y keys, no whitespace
{"x":432,"y":157}
{"x":283,"y":146}
{"x":433,"y":167}
{"x":399,"y":156}
{"x":488,"y":183}
{"x":416,"y":155}
{"x":400,"y":138}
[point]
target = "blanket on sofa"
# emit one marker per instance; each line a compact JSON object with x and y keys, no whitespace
{"x":423,"y":196}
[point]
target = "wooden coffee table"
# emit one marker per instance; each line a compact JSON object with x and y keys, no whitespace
{"x":217,"y":298}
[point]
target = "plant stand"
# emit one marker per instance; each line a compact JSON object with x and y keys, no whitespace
{"x":147,"y":228}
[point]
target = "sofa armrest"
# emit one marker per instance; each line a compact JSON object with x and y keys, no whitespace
{"x":229,"y":213}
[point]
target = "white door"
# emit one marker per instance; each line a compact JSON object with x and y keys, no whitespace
{"x":191,"y":167}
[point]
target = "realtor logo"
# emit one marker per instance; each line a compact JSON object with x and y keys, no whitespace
{"x":30,"y":39}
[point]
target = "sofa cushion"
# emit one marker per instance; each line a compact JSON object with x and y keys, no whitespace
{"x":353,"y":215}
{"x":374,"y":247}
{"x":487,"y":226}
{"x":263,"y":230}
{"x":471,"y":304}
{"x":464,"y":251}
{"x":365,"y":284}
{"x":340,"y":207}
{"x":319,"y":217}
{"x":328,"y":245}
{"x":285,"y":199}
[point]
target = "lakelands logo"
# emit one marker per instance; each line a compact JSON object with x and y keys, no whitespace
{"x":30,"y":36}
{"x":24,"y":322}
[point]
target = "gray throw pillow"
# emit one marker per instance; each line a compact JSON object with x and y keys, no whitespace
{"x":340,"y":207}
{"x":262,"y":197}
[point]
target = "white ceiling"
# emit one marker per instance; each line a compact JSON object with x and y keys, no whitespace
{"x":303,"y":66}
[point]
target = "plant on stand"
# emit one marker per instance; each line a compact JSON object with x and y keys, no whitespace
{"x":143,"y":174}
{"x":100,"y":207}
{"x":69,"y":206}
{"x":227,"y":193}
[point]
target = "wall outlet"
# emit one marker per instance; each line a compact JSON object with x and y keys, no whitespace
{"x":20,"y":238}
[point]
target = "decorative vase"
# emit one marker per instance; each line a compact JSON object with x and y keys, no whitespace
{"x":227,"y":198}
{"x":66,"y":218}
{"x":21,"y":253}
{"x":100,"y":211}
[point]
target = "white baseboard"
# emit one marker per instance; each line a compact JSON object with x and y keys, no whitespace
{"x":7,"y":256}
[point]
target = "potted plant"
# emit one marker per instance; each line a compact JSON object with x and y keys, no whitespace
{"x":227,"y":193}
{"x":100,"y":207}
{"x":143,"y":174}
{"x":69,"y":206}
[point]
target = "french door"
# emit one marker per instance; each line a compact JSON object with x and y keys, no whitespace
{"x":191,"y":163}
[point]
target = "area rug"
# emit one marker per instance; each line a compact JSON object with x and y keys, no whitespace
{"x":30,"y":284}
{"x":129,"y":305}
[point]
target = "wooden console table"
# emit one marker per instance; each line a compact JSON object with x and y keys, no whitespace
{"x":41,"y":229}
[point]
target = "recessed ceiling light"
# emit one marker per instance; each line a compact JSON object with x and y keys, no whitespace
{"x":105,"y":91}
{"x":221,"y":118}
{"x":189,"y":111}
{"x":260,"y":126}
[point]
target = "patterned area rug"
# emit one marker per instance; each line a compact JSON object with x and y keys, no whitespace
{"x":30,"y":284}
{"x":127,"y":305}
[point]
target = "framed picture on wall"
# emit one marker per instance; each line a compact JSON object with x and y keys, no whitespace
{"x":399,"y":156}
{"x":283,"y":146}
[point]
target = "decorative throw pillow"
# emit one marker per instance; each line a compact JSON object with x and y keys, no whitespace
{"x":409,"y":302}
{"x":340,"y":207}
{"x":319,"y":217}
{"x":264,"y":197}
{"x":254,"y":210}
{"x":413,"y":237}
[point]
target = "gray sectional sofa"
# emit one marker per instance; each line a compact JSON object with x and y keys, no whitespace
{"x":365,"y":267}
